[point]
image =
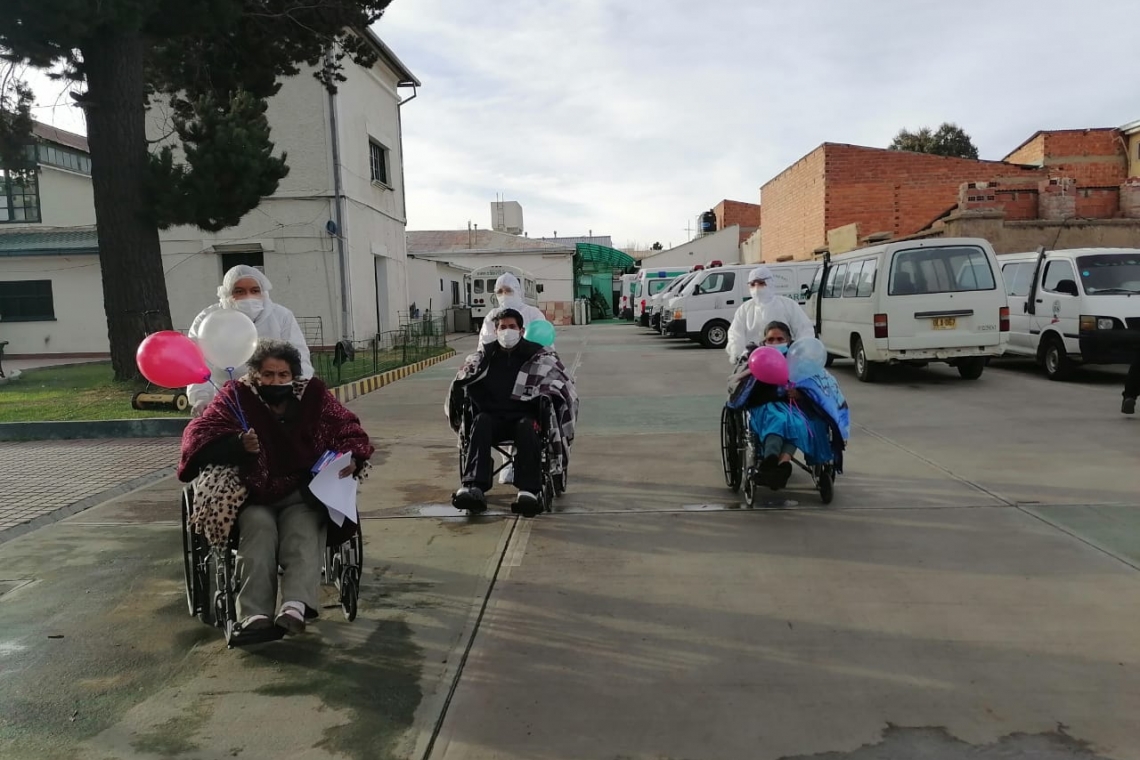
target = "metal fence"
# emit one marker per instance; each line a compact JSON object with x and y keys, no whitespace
{"x":353,"y":360}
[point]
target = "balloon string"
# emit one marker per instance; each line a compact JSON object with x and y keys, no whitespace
{"x":235,"y":405}
{"x":796,"y":406}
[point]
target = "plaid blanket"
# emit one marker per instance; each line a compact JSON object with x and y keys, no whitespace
{"x":543,"y":375}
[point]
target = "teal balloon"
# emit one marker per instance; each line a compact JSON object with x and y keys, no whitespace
{"x":806,"y":358}
{"x":541,"y":332}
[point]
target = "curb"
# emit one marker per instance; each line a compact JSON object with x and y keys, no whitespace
{"x":172,"y":427}
{"x":94,"y":500}
{"x":358,"y":388}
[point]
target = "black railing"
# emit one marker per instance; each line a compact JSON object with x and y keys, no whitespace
{"x":355,"y":360}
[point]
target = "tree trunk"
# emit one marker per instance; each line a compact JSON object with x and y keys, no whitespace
{"x":134,"y":287}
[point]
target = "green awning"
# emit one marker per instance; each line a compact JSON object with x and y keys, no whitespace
{"x":590,"y":258}
{"x":78,"y":242}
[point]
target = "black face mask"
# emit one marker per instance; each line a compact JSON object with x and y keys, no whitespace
{"x":275,"y":394}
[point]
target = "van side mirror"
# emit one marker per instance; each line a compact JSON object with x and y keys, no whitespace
{"x":1068,"y":287}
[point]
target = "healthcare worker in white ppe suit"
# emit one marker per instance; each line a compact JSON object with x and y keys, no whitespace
{"x":508,"y":294}
{"x":247,"y":290}
{"x":764,"y":307}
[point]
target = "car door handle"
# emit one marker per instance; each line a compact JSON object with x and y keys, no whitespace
{"x":1040,"y":300}
{"x":730,"y":301}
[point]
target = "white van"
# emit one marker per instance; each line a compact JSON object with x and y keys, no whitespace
{"x":658,"y":304}
{"x":1073,"y":307}
{"x":913,"y":302}
{"x":704,"y":309}
{"x":650,"y":282}
{"x":625,"y":304}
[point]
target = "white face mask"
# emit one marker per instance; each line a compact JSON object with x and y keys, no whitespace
{"x":505,"y":298}
{"x":761,"y":293}
{"x":251,"y":307}
{"x":509,"y":338}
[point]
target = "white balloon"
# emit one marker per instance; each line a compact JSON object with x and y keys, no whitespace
{"x":227,"y":338}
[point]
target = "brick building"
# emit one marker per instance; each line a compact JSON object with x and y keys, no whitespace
{"x":744,"y":215}
{"x":838,"y":196}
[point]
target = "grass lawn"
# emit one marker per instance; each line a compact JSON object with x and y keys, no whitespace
{"x":75,"y":392}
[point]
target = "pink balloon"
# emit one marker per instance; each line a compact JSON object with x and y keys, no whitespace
{"x":170,"y":360}
{"x":768,"y":366}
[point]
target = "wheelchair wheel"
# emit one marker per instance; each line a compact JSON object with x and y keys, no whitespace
{"x":349,"y":592}
{"x":748,"y":470}
{"x":560,"y":482}
{"x":730,"y":447}
{"x":189,"y":560}
{"x":826,"y":482}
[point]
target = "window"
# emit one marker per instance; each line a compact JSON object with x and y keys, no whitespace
{"x":53,"y":155}
{"x":817,"y":280}
{"x":852,"y":286}
{"x":454,"y":292}
{"x":255,"y":259}
{"x":835,"y":279}
{"x":19,"y":196}
{"x":867,"y":279}
{"x":718,"y":282}
{"x":1110,"y":274}
{"x":656,"y":286}
{"x":479,"y":287}
{"x":378,"y":159}
{"x":1018,"y":278}
{"x":949,"y":269}
{"x":26,"y":301}
{"x":1056,"y":272}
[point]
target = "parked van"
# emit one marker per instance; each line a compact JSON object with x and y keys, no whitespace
{"x":704,"y":308}
{"x":625,"y":302}
{"x":913,"y":302}
{"x":650,"y":282}
{"x":658,"y":304}
{"x":1073,"y":307}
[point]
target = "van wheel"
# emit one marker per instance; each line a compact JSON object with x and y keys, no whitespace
{"x":971,"y":369}
{"x":715,"y":335}
{"x":865,"y":370}
{"x":1058,"y":365}
{"x":830,"y":360}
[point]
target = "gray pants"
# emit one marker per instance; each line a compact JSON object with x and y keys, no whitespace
{"x":289,"y":533}
{"x":774,"y":446}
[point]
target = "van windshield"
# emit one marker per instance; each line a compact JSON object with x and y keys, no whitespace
{"x":949,"y":269}
{"x":656,"y":286}
{"x":1109,"y":274}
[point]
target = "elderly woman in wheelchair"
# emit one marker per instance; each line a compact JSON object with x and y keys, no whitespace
{"x":251,"y":456}
{"x":513,"y":394}
{"x":763,"y":426}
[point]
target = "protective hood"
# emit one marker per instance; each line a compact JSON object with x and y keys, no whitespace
{"x":240,"y":272}
{"x":515,"y":301}
{"x":761,"y":272}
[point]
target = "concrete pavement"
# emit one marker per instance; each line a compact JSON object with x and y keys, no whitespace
{"x":974,"y":586}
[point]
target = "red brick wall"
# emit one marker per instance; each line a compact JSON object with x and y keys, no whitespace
{"x":1032,"y":152}
{"x":1093,"y":157}
{"x":1098,"y":202}
{"x":1130,"y":199}
{"x":1017,"y":200}
{"x":729,"y":213}
{"x":897,"y":191}
{"x":793,"y":205}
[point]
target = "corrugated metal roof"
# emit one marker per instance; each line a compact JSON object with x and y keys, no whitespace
{"x":477,"y":241}
{"x":591,"y":259}
{"x":605,"y":240}
{"x":74,"y":241}
{"x":59,"y":136}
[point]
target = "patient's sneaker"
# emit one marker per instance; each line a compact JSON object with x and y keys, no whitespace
{"x":526,"y":504}
{"x":469,"y":498}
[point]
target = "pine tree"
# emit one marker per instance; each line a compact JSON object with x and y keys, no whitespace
{"x":215,"y":62}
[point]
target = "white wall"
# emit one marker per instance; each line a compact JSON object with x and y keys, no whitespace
{"x":66,"y":199}
{"x":723,"y":246}
{"x":80,"y":325}
{"x":554,"y":271}
{"x":752,"y":249}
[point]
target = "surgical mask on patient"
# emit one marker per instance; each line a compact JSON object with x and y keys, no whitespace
{"x":275,"y":394}
{"x":509,"y":338}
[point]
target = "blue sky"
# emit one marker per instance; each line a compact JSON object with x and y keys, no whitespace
{"x":630,"y":117}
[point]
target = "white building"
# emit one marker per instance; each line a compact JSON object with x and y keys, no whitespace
{"x":722,"y":246}
{"x":331,"y":239}
{"x":551,"y":264}
{"x":51,"y":295}
{"x":343,"y":201}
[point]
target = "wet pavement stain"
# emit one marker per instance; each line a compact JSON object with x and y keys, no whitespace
{"x":378,"y":683}
{"x":173,"y":738}
{"x":937,"y":744}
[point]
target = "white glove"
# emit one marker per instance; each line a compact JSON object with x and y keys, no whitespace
{"x":198,"y":408}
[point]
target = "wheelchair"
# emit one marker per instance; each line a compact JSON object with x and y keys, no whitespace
{"x":551,"y":460}
{"x":740,"y":455}
{"x":212,"y":580}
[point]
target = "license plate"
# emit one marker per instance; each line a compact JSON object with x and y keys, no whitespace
{"x":945,"y":323}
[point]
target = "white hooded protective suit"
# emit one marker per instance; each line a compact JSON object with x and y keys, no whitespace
{"x":514,"y":301}
{"x":274,"y":322}
{"x":754,"y":316}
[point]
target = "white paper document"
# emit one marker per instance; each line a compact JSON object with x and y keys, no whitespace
{"x":335,"y":492}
